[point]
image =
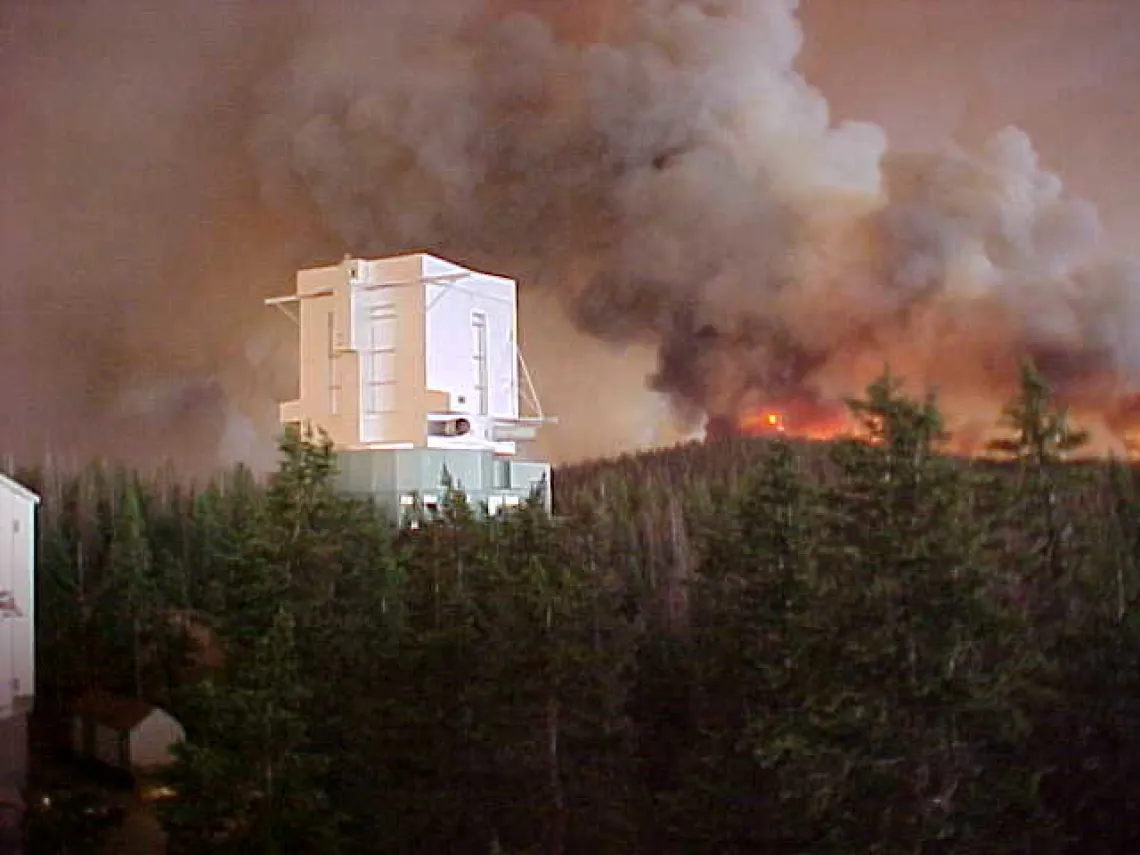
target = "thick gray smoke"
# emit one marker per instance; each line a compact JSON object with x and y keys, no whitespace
{"x":657,"y":168}
{"x":681,"y":184}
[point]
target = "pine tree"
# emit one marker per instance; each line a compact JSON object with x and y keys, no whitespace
{"x":61,"y":657}
{"x":416,"y":753}
{"x":1042,"y":438}
{"x":247,"y":777}
{"x":748,"y":603}
{"x":132,"y":566}
{"x":1071,"y":559}
{"x":1042,"y":434}
{"x":900,"y":692}
{"x":552,"y":737}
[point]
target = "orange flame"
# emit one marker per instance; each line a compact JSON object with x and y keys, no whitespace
{"x":822,"y":421}
{"x":760,"y":423}
{"x":806,"y":420}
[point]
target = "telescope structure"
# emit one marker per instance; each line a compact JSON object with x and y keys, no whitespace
{"x":411,"y":364}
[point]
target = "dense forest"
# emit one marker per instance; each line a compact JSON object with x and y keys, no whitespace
{"x":746,"y":646}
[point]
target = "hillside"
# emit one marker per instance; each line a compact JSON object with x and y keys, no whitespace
{"x":740,"y":646}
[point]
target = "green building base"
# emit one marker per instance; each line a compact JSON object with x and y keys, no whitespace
{"x":398,"y":478}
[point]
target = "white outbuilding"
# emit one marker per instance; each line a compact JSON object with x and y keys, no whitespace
{"x":126,"y":733}
{"x":17,"y":627}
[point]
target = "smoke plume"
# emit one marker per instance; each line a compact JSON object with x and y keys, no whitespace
{"x":658,"y":169}
{"x":680,"y":184}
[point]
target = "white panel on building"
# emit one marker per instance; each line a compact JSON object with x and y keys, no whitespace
{"x":152,"y":740}
{"x":21,"y":625}
{"x":8,"y":603}
{"x":472,"y":356}
{"x":481,"y":379}
{"x":413,"y":350}
{"x":379,"y":387}
{"x":17,"y":629}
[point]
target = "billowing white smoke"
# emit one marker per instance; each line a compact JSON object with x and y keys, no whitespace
{"x":656,"y":168}
{"x":679,"y":183}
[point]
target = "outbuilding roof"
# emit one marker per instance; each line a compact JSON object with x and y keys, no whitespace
{"x":115,"y":711}
{"x":18,"y":488}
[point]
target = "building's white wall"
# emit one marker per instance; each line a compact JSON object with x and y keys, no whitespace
{"x":152,"y":739}
{"x":451,"y":349}
{"x":22,"y":638}
{"x":17,"y":633}
{"x":405,"y":348}
{"x":324,"y":358}
{"x":8,"y":574}
{"x":387,"y":322}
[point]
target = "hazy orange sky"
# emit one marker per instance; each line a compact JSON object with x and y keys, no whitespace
{"x":135,"y":248}
{"x":1066,"y":71}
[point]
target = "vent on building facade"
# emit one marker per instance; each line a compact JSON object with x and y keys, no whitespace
{"x":449,"y":427}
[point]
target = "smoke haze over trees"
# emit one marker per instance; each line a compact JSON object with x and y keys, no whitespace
{"x":656,"y":170}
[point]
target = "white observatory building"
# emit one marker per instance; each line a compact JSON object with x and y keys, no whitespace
{"x":411,"y":365}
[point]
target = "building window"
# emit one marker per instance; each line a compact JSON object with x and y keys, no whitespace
{"x":479,"y":351}
{"x":380,"y":361}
